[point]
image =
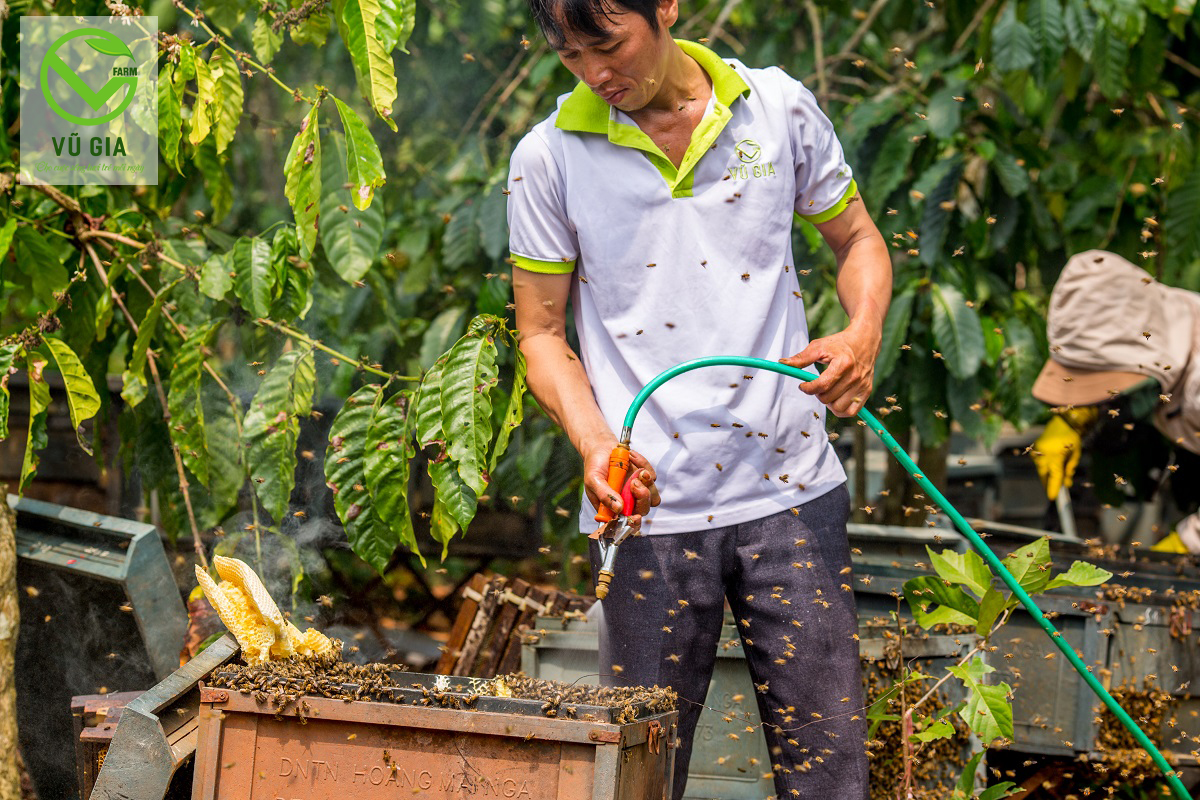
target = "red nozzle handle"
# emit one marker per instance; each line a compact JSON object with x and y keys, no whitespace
{"x":618,"y":471}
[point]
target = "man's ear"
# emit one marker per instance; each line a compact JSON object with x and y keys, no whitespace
{"x":668,"y":12}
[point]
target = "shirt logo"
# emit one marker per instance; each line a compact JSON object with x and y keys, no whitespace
{"x":748,"y":151}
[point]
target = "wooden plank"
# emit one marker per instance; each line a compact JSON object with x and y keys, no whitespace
{"x":479,"y":626}
{"x":511,"y":604}
{"x":557,"y":603}
{"x":462,"y":624}
{"x":510,"y":660}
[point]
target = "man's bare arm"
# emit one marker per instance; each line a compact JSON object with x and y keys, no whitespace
{"x":864,"y":286}
{"x":556,"y":378}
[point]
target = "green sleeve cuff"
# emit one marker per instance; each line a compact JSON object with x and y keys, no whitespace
{"x":564,"y":267}
{"x":836,"y":209}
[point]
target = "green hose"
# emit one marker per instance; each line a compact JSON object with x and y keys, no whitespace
{"x":959,"y":522}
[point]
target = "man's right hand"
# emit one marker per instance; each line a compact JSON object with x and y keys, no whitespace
{"x":595,"y":480}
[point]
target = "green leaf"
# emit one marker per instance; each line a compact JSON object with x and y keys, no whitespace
{"x":935,"y":221}
{"x":1046,"y":26}
{"x":967,"y":569}
{"x":227,"y":106}
{"x":395,"y":23}
{"x":217,"y":184}
{"x":272,"y":425}
{"x":1012,"y":175}
{"x":9,"y":353}
{"x":493,"y":222}
{"x":296,"y":297}
{"x":925,"y":380}
{"x":1030,"y":565}
{"x":345,"y":461}
{"x":944,"y":115}
{"x":184,"y":402}
{"x":939,"y":729}
{"x":255,"y":279}
{"x":460,"y":240}
{"x":1126,"y":18}
{"x":351,"y":238}
{"x":170,"y":114}
{"x":966,"y":781}
{"x":895,"y":333}
{"x":445,"y":329}
{"x":1012,"y":42}
{"x":1000,"y":790}
{"x":1110,"y":57}
{"x":388,"y":452}
{"x":957,"y":332}
{"x":6,"y":237}
{"x":364,"y":162}
{"x":429,"y":406}
{"x":1020,"y":361}
{"x":312,"y":31}
{"x":454,"y":495}
{"x":442,"y":525}
{"x":1182,"y":220}
{"x":206,"y":93}
{"x":266,"y":41}
{"x":953,"y":604}
{"x":82,"y":399}
{"x":878,"y":711}
{"x":987,"y":711}
{"x":41,"y":263}
{"x":515,"y":411}
{"x":36,"y":437}
{"x":187,"y":63}
{"x":216,"y":276}
{"x":1080,"y":25}
{"x":467,"y":381}
{"x":990,"y":606}
{"x":1080,"y":573}
{"x":356,"y":22}
{"x":214,"y":503}
{"x":303,"y":182}
{"x":109,"y":47}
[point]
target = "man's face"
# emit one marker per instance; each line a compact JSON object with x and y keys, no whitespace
{"x":628,"y":65}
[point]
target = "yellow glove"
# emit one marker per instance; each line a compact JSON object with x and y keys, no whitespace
{"x":1170,"y":543}
{"x":243,"y":604}
{"x":1056,"y":455}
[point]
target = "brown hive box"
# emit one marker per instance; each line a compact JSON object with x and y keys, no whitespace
{"x":417,"y":737}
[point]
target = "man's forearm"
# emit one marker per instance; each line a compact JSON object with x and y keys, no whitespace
{"x":864,"y":281}
{"x":558,"y":382}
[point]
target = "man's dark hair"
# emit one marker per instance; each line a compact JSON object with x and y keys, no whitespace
{"x":586,"y":17}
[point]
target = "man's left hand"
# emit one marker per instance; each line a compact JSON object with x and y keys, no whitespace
{"x":845,"y":384}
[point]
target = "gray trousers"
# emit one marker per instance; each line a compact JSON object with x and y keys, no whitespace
{"x":786,"y":577}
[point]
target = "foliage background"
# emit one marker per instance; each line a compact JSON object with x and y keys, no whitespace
{"x":991,"y":141}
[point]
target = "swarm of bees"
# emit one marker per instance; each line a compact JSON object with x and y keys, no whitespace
{"x":633,"y":701}
{"x":285,"y":684}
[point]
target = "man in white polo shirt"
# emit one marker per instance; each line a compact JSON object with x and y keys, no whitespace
{"x":658,"y":199}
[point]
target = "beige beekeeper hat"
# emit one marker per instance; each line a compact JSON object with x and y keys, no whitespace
{"x":1109,"y":327}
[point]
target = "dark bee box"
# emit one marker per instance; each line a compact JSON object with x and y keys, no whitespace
{"x":322,"y":748}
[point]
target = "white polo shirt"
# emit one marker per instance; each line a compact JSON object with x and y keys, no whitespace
{"x":675,"y":264}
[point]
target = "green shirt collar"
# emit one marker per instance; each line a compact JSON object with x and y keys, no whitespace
{"x":586,"y":111}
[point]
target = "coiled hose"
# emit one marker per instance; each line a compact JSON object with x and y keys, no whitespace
{"x":959,"y":522}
